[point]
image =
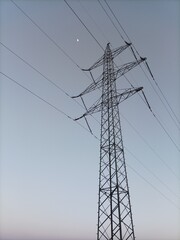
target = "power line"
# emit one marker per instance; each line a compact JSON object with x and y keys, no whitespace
{"x":49,"y":80}
{"x":152,"y":173}
{"x":45,"y":101}
{"x":161,"y":98}
{"x":83,"y":24}
{"x":155,"y":116}
{"x":150,"y":147}
{"x":40,"y":73}
{"x":57,"y":45}
{"x":51,"y":40}
{"x":110,"y":19}
{"x":120,"y":26}
{"x":154,"y":187}
{"x":47,"y":35}
{"x":144,"y":138}
{"x":35,"y":69}
{"x":34,"y":94}
{"x":141,"y":66}
{"x":157,"y":94}
{"x":97,"y":26}
{"x":157,"y":119}
{"x":177,"y":147}
{"x":162,"y":126}
{"x":167,"y":102}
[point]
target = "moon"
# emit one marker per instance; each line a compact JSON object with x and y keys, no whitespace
{"x":77,"y":40}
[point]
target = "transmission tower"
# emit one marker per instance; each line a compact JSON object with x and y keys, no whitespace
{"x":114,"y":208}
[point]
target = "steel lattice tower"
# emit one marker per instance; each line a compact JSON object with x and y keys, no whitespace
{"x":114,"y":208}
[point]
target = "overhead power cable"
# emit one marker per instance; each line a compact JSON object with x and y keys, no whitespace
{"x":112,"y":12}
{"x":35,"y":69}
{"x":83,"y":24}
{"x":167,"y":133}
{"x":48,"y":79}
{"x":139,"y":55}
{"x":157,"y":95}
{"x":154,"y":187}
{"x":150,"y":147}
{"x":119,"y":25}
{"x":162,"y":100}
{"x":110,"y":19}
{"x":40,"y":73}
{"x":97,"y":26}
{"x":57,"y":45}
{"x":167,"y":102}
{"x":34,"y":94}
{"x":155,"y":116}
{"x":153,"y":174}
{"x":45,"y":101}
{"x":162,"y":126}
{"x":48,"y":36}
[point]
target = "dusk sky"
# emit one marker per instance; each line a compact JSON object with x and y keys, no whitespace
{"x":49,"y":163}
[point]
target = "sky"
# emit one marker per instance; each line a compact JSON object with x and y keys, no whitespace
{"x":49,"y":163}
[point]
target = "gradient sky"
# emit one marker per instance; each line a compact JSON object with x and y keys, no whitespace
{"x":49,"y":164}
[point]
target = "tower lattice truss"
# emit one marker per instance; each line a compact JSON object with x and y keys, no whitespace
{"x":114,"y":208}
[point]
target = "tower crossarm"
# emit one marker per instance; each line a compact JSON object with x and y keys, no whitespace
{"x":96,"y":107}
{"x":119,"y":50}
{"x":128,"y":93}
{"x":93,"y":86}
{"x":114,"y":52}
{"x":118,"y":73}
{"x":127,"y":67}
